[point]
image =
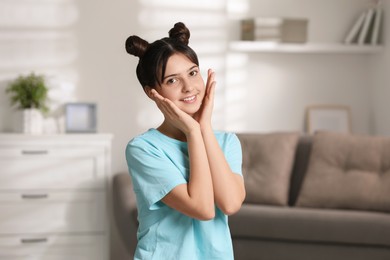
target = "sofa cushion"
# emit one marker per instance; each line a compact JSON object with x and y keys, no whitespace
{"x":267,"y":165}
{"x":347,"y":171}
{"x":301,"y":161}
{"x":311,"y":225}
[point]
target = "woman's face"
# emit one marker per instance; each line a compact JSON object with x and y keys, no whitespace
{"x":183,"y":84}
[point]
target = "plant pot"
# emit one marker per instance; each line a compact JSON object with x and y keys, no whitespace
{"x":29,"y":121}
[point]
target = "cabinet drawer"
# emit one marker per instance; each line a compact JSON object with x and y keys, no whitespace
{"x":34,"y":167}
{"x":52,"y":212}
{"x":52,"y":247}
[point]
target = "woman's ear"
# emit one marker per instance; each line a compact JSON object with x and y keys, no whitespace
{"x":148,"y":91}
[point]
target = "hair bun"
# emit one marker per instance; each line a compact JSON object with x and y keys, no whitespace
{"x":136,"y":46}
{"x":180,"y":32}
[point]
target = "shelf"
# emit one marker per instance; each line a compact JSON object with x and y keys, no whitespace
{"x":271,"y":47}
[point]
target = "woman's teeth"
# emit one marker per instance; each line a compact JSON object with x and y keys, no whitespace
{"x":189,"y":99}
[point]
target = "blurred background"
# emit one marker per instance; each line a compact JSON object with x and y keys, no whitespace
{"x":79,"y":47}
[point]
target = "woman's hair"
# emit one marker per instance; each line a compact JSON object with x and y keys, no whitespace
{"x":153,"y":57}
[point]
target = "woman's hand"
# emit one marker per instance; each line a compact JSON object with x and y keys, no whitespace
{"x":203,"y":116}
{"x":173,"y":114}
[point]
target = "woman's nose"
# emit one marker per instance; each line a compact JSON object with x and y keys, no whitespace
{"x":187,"y":86}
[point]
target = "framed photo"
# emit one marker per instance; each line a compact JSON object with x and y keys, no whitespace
{"x":334,"y":118}
{"x":80,"y":118}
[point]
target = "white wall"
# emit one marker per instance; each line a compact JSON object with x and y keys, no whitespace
{"x":381,"y":82}
{"x":38,"y":36}
{"x":280,"y":86}
{"x":259,"y":92}
{"x":107,"y":71}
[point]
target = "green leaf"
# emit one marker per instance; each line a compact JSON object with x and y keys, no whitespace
{"x":28,"y":92}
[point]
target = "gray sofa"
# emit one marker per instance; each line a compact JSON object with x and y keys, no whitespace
{"x":321,"y":196}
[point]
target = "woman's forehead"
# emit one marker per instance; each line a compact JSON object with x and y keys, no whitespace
{"x":178,"y":62}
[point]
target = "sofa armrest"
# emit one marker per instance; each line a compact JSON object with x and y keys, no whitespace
{"x":125,"y":210}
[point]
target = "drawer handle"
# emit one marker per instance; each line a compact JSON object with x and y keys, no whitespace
{"x":33,"y":240}
{"x":34,"y":152}
{"x":35,"y":196}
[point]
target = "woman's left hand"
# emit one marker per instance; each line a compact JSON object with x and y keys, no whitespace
{"x":203,"y":116}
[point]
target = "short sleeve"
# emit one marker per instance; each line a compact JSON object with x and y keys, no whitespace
{"x":233,"y":153}
{"x":152,"y":173}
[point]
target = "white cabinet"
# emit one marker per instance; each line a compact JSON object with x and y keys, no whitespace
{"x":54,"y":193}
{"x":53,"y":247}
{"x":52,"y":212}
{"x":55,"y":168}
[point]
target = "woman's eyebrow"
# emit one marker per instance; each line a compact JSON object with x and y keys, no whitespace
{"x":195,"y":66}
{"x":173,"y":75}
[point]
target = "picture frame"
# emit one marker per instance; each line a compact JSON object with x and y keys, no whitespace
{"x":80,"y":118}
{"x":335,"y":118}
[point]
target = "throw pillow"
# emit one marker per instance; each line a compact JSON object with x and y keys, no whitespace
{"x":347,"y":171}
{"x":267,"y":164}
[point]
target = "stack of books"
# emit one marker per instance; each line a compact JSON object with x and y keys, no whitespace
{"x":274,"y":29}
{"x":366,"y":28}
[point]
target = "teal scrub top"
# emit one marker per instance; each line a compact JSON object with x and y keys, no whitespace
{"x":157,"y":164}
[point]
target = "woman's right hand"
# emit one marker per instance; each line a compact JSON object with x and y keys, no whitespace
{"x":174,"y":115}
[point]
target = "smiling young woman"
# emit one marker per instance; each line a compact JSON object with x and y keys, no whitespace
{"x":186,"y":176}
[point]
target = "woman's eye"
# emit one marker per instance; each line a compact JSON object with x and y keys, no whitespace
{"x":171,"y":81}
{"x":194,"y":73}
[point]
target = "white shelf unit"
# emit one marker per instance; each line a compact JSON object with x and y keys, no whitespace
{"x":325,"y":48}
{"x":54,"y":196}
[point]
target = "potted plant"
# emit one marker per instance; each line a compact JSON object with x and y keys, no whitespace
{"x":29,"y":95}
